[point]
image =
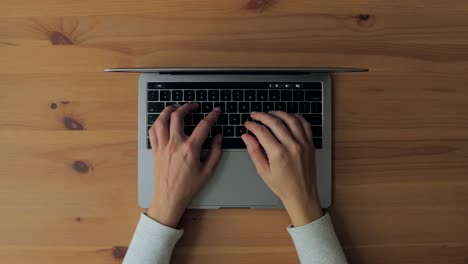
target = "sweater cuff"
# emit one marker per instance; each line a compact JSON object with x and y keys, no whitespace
{"x":316,"y":242}
{"x":152,"y":242}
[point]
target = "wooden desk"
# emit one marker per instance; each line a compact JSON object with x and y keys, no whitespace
{"x":68,"y":191}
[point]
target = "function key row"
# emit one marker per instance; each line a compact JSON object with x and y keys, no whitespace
{"x":234,"y":95}
{"x":233,"y":85}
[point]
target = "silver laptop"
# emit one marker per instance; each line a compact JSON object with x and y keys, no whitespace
{"x":238,"y":91}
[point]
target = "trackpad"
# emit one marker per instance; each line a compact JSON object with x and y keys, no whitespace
{"x":235,"y":183}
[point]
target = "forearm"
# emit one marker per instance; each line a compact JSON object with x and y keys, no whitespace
{"x":152,"y":243}
{"x":316,"y":242}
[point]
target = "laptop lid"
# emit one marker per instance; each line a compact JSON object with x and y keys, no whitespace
{"x":236,"y":70}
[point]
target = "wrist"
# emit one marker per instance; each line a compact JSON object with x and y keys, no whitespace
{"x":165,"y":213}
{"x":303,"y":211}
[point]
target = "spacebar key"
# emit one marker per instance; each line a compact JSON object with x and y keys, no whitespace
{"x":233,"y":143}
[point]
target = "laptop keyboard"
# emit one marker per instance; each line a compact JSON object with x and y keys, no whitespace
{"x":237,"y":101}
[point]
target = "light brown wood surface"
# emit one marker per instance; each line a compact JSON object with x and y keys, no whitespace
{"x":401,"y":130}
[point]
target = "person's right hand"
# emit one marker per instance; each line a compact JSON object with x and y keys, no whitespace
{"x":289,"y":170}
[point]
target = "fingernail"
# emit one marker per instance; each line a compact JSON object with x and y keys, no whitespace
{"x":217,"y":109}
{"x":253,"y":113}
{"x":177,"y":105}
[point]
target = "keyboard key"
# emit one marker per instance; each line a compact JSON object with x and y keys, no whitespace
{"x":268,"y":106}
{"x":313,"y":119}
{"x":274,"y":95}
{"x":256,"y":106}
{"x":228,"y":131}
{"x":213,"y":95}
{"x":244,"y":107}
{"x":170,"y":103}
{"x":198,"y":109}
{"x":153,"y":95}
{"x":286,"y":95}
{"x":189,"y":95}
{"x":262,"y":95}
{"x":316,"y":107}
{"x":188,"y":120}
{"x":292,"y":107}
{"x":317,"y":143}
{"x":221,"y":105}
{"x":188,"y":130}
{"x":201,"y":95}
{"x":155,"y":107}
{"x":207,"y":143}
{"x":152,"y":118}
{"x":313,"y":95}
{"x":316,"y":131}
{"x":225,"y":95}
{"x":223,"y":119}
{"x":280,"y":106}
{"x":245,"y":118}
{"x":250,"y":95}
{"x":240,"y":130}
{"x":233,"y":143}
{"x":165,"y":95}
{"x":215,"y":130}
{"x":148,"y":143}
{"x":234,"y":119}
{"x":197,"y":118}
{"x":177,"y":95}
{"x":231,"y":107}
{"x":147,"y":130}
{"x":298,"y":95}
{"x":238,"y":95}
{"x":304,"y":107}
{"x":207,"y":107}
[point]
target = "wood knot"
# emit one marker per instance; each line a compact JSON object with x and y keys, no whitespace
{"x":118,"y":252}
{"x":53,"y":105}
{"x":78,"y":219}
{"x":81,"y":167}
{"x":57,"y":38}
{"x":365,"y":20}
{"x":72,"y":124}
{"x":260,"y":5}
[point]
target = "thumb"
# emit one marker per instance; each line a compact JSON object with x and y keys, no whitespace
{"x":256,"y":154}
{"x":213,"y":157}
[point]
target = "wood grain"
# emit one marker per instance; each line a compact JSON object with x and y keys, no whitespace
{"x":68,"y":189}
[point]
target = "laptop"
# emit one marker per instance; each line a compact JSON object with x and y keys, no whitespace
{"x":238,"y":91}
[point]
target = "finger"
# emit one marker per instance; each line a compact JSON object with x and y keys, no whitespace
{"x":293,"y":123}
{"x":152,"y":137}
{"x":213,"y":157}
{"x":177,"y":119}
{"x":200,"y":133}
{"x":264,"y":136}
{"x":256,"y":154}
{"x":305,"y":127}
{"x":162,"y":124}
{"x":275,"y":125}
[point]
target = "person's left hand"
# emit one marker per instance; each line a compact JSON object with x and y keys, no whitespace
{"x":177,"y":169}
